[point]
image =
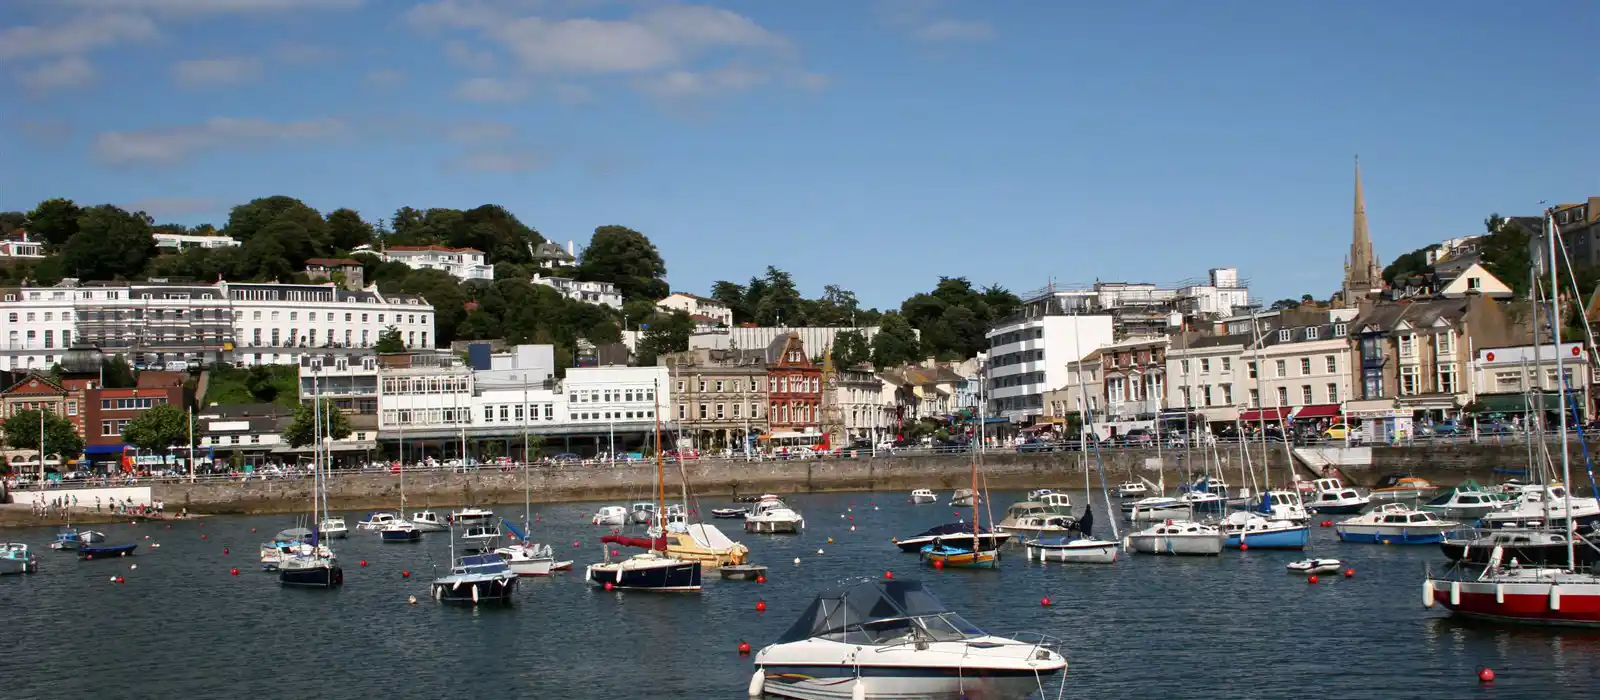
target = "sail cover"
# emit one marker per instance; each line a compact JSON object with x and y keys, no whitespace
{"x":1086,"y":524}
{"x":838,"y":612}
{"x":710,"y":537}
{"x":640,"y":542}
{"x":515,"y":531}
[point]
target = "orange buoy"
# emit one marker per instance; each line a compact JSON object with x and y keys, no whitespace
{"x":761,"y":606}
{"x":1046,"y":602}
{"x":1485,"y":675}
{"x":233,"y":572}
{"x":1312,"y":579}
{"x":1349,"y":573}
{"x":888,"y":574}
{"x":744,"y":647}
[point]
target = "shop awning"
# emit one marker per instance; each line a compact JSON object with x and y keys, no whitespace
{"x":1326,"y":410}
{"x":1263,"y":414}
{"x":104,"y":449}
{"x":1517,"y":403}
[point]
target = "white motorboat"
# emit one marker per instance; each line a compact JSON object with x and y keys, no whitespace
{"x":429,"y":521}
{"x":964,"y":498}
{"x":611,"y":516}
{"x":893,"y":639}
{"x":471,"y":516}
{"x":1177,"y":537}
{"x":480,"y":538}
{"x":770,"y":514}
{"x":16,"y":559}
{"x":1545,"y":507}
{"x":1059,"y":502}
{"x":1158,"y":509}
{"x":334,"y":527}
{"x":643,"y":513}
{"x":1469,"y":501}
{"x":1394,"y":523}
{"x":654,"y":570}
{"x":1085,"y":549}
{"x":1039,"y":494}
{"x":476,"y":578}
{"x":1334,"y":498}
{"x":1132,"y":489}
{"x":1314,"y":566}
{"x":377,"y":521}
{"x":921,"y":496}
{"x":1255,"y":530}
{"x":400,"y":531}
{"x":1031,"y":518}
{"x":1286,"y":505}
{"x":531,"y":559}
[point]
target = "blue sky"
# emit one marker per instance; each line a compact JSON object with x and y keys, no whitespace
{"x":871,"y":144}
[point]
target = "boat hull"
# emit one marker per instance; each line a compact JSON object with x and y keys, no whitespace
{"x":988,"y":540}
{"x":924,"y":500}
{"x":496,"y":590}
{"x":1287,"y":538}
{"x":1500,"y":521}
{"x":90,"y":552}
{"x":316,"y":577}
{"x":670,"y":577}
{"x":18,"y":566}
{"x":1382,"y":534}
{"x":950,"y":558}
{"x":425,"y":526}
{"x":400,"y":535}
{"x":1574,"y":604}
{"x":1155,"y":514}
{"x":1551,"y":554}
{"x":1177,"y":545}
{"x":1340,"y":509}
{"x":1076,"y":552}
{"x":781,"y":527}
{"x":902,"y":682}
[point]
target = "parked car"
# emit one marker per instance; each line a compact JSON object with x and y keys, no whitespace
{"x":1337,"y":431}
{"x":1035,"y":446}
{"x":1139,"y":437}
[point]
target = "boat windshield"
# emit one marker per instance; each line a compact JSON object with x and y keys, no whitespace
{"x":879,"y":612}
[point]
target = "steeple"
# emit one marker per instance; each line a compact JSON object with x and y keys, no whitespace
{"x":1362,"y":274}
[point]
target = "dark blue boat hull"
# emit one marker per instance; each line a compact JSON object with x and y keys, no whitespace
{"x":682,"y":576}
{"x":89,"y":551}
{"x":329,"y":577}
{"x":497,"y":591}
{"x":401,"y":535}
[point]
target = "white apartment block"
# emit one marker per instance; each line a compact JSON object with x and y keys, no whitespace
{"x":175,"y":242}
{"x":246,"y":323}
{"x":1222,"y":293}
{"x":1203,"y":375}
{"x":713,"y":311}
{"x":1303,"y":371}
{"x":462,"y":263}
{"x":599,"y":293}
{"x":21,"y":247}
{"x":440,"y":397}
{"x":1029,"y":356}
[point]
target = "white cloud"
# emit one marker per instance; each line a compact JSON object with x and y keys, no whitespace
{"x":67,"y":72}
{"x":194,"y":7}
{"x":483,"y":89}
{"x":461,"y":55}
{"x":173,"y":144}
{"x":503,"y":162}
{"x":924,"y":20}
{"x":75,"y":37}
{"x":682,"y":83}
{"x":207,"y":72}
{"x":173,"y":206}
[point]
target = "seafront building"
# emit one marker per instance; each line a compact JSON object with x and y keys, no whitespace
{"x":462,"y":263}
{"x":156,"y":323}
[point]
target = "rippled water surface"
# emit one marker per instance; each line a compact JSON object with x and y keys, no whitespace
{"x":1235,"y":626}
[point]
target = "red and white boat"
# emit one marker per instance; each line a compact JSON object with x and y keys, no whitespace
{"x":1539,"y":596}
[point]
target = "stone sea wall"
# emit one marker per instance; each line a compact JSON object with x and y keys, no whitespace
{"x":1443,"y":464}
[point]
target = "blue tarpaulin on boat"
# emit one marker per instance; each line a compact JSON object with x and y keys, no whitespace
{"x":520,"y":535}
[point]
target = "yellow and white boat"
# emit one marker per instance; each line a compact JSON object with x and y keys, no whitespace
{"x":703,"y":542}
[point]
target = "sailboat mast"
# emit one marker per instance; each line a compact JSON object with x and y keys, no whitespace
{"x":661,"y":470}
{"x":1555,"y":337}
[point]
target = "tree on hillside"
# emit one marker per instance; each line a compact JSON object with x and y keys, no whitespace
{"x":12,"y":221}
{"x":895,"y":343}
{"x":54,"y":221}
{"x":159,"y":429}
{"x":1407,"y":265}
{"x":444,"y":293}
{"x":731,"y":295}
{"x":780,"y":303}
{"x":110,"y":244}
{"x":346,"y":229}
{"x":850,"y":349}
{"x":333,"y":423}
{"x":22,"y":432}
{"x":666,"y":332}
{"x":626,"y":258}
{"x":1506,"y":252}
{"x":389,"y":341}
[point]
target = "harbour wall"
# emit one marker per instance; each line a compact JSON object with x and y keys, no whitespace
{"x":140,"y":495}
{"x":1444,"y":464}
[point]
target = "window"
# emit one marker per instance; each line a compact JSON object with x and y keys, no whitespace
{"x":1410,"y":380}
{"x":1305,"y":366}
{"x":1255,"y":398}
{"x":1447,"y":343}
{"x":702,"y":411}
{"x":736,"y":410}
{"x":1185,"y":392}
{"x":1447,"y":377}
{"x":682,"y":412}
{"x":488,"y":414}
{"x":1333,"y":364}
{"x":1283,"y":368}
{"x":1474,"y":283}
{"x":1333,"y":393}
{"x":719,"y":386}
{"x":1205,"y":365}
{"x":1184,"y":366}
{"x":1311,"y":333}
{"x":1285,"y":335}
{"x":754,"y":386}
{"x":720,"y":414}
{"x":755,"y":410}
{"x":1305,"y":395}
{"x":1227,"y":364}
{"x":702,"y":387}
{"x":1251,"y":366}
{"x":1408,"y":345}
{"x":1205,"y":395}
{"x":680,"y":386}
{"x":503,"y":412}
{"x":1283,"y":396}
{"x":1340,"y":330}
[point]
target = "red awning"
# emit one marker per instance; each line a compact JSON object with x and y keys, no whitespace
{"x":640,"y":542}
{"x":1262,"y":414}
{"x":1326,"y":410}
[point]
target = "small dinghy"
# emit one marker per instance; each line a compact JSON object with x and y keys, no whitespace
{"x":742,"y":572}
{"x":108,"y":551}
{"x":728,"y":513}
{"x":1314,"y":566}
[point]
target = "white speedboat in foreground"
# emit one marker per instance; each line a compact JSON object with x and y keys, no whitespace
{"x":771,"y":514}
{"x":893,"y":639}
{"x":1178,"y":537}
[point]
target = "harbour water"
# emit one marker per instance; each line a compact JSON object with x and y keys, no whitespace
{"x":1235,"y":626}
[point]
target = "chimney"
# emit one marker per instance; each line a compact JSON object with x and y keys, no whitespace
{"x":570,"y":249}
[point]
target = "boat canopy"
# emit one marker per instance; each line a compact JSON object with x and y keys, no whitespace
{"x":640,"y":542}
{"x":293,"y":534}
{"x":709,"y":536}
{"x":951,"y":529}
{"x":877,"y":612}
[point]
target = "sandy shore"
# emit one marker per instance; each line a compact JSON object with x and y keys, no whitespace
{"x":21,"y":515}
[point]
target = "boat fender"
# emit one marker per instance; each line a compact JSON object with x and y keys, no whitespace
{"x":1555,"y":597}
{"x":758,"y":683}
{"x":1499,"y":594}
{"x":455,"y":585}
{"x":619,"y":574}
{"x":474,"y":594}
{"x":438,"y":592}
{"x":1455,"y":593}
{"x":859,"y":692}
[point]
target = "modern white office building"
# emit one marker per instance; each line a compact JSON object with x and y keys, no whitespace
{"x":1028,"y":356}
{"x":176,"y":242}
{"x":153,"y":323}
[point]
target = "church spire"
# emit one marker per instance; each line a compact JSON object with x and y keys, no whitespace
{"x":1362,"y":274}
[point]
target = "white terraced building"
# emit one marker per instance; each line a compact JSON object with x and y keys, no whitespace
{"x":153,"y":323}
{"x":462,"y":263}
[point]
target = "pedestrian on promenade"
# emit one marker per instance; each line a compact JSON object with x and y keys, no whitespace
{"x":96,"y":504}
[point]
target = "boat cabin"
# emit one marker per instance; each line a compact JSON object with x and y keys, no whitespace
{"x":880,"y":613}
{"x":1179,"y":527}
{"x":480,"y":565}
{"x":1410,"y":518}
{"x":1039,"y":494}
{"x":1342,"y":495}
{"x":1329,"y":484}
{"x":1026,"y":508}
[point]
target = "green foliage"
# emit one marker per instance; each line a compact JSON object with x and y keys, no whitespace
{"x":954,"y":316}
{"x":109,"y":244}
{"x":895,"y":344}
{"x":780,"y":303}
{"x":54,"y":221}
{"x":666,"y":332}
{"x":11,"y":221}
{"x":489,"y":228}
{"x":346,"y":229}
{"x":850,"y":349}
{"x":116,"y":374}
{"x":333,"y":423}
{"x":732,"y":296}
{"x":1407,"y":265}
{"x":1506,"y":252}
{"x":444,"y":293}
{"x":22,"y":432}
{"x":277,"y":384}
{"x":626,"y":258}
{"x":389,"y":340}
{"x":159,"y":429}
{"x":1285,"y":305}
